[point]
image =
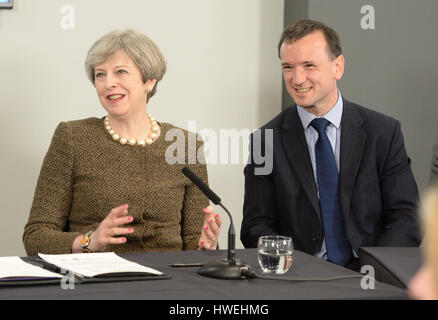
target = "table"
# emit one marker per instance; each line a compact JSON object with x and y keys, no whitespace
{"x":392,"y":265}
{"x":186,"y":284}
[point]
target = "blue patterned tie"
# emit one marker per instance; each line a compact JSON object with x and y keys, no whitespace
{"x":338,"y":246}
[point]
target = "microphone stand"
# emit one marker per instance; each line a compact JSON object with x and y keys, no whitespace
{"x":230,"y":268}
{"x":226,"y":268}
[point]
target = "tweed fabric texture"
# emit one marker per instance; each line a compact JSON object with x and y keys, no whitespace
{"x":85,"y":174}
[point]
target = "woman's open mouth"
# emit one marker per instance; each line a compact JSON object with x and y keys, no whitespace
{"x":115,"y":98}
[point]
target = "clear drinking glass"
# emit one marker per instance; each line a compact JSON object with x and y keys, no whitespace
{"x":275,"y":254}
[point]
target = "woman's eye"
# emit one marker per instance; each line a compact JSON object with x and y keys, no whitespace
{"x":121,"y":71}
{"x":99,"y":74}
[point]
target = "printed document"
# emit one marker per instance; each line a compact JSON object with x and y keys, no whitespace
{"x":97,"y":264}
{"x":15,"y":268}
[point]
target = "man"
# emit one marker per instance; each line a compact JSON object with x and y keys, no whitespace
{"x":340,"y":178}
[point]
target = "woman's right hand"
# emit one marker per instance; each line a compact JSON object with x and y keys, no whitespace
{"x":109,"y":230}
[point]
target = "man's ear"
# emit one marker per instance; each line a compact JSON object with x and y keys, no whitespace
{"x":339,"y":66}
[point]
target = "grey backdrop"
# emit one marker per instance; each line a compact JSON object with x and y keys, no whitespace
{"x":390,"y":68}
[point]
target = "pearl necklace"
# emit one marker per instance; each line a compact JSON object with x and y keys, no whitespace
{"x":151,"y":138}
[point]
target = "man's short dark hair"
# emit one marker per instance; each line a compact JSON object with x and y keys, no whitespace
{"x":302,"y":28}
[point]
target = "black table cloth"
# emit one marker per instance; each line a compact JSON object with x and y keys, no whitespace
{"x":187,"y":284}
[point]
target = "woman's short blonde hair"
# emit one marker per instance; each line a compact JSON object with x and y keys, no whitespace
{"x":142,"y":50}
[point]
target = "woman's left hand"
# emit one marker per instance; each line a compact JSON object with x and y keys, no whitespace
{"x":210,"y":230}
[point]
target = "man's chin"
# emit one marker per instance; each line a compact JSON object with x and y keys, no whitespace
{"x":304,"y":104}
{"x":302,"y":101}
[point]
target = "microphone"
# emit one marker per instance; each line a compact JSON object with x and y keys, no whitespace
{"x":201,"y":185}
{"x":230,"y":268}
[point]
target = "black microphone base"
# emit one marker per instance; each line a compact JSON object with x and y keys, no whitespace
{"x":224,"y":269}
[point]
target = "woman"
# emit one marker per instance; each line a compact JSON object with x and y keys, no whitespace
{"x":424,"y":285}
{"x":105,"y":183}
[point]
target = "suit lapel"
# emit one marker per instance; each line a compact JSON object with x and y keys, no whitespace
{"x":353,"y":140}
{"x":297,"y":152}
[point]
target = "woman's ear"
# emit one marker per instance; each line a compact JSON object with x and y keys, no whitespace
{"x":150,"y":84}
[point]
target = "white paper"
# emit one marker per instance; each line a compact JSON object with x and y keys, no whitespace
{"x":93,"y":264}
{"x":14,"y":267}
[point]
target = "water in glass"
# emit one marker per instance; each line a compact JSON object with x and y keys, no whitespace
{"x":275,"y":254}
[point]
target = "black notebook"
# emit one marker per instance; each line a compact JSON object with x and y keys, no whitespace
{"x":80,"y":268}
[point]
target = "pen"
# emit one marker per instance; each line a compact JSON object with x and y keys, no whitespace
{"x":191,"y":264}
{"x":45,"y":265}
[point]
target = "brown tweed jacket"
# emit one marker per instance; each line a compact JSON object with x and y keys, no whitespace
{"x":85,"y":174}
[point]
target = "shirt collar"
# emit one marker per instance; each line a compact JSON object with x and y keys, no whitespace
{"x":334,"y":115}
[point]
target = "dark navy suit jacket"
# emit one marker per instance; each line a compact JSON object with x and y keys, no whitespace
{"x":378,"y":193}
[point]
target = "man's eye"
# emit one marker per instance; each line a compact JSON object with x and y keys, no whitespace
{"x":309,"y":65}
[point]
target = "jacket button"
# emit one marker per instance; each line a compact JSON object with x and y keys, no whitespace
{"x":316,"y":238}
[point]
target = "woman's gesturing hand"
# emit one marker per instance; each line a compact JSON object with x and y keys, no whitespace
{"x":109,"y":231}
{"x":210,"y":230}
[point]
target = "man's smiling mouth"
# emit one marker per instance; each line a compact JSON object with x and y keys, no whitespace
{"x":303,"y":90}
